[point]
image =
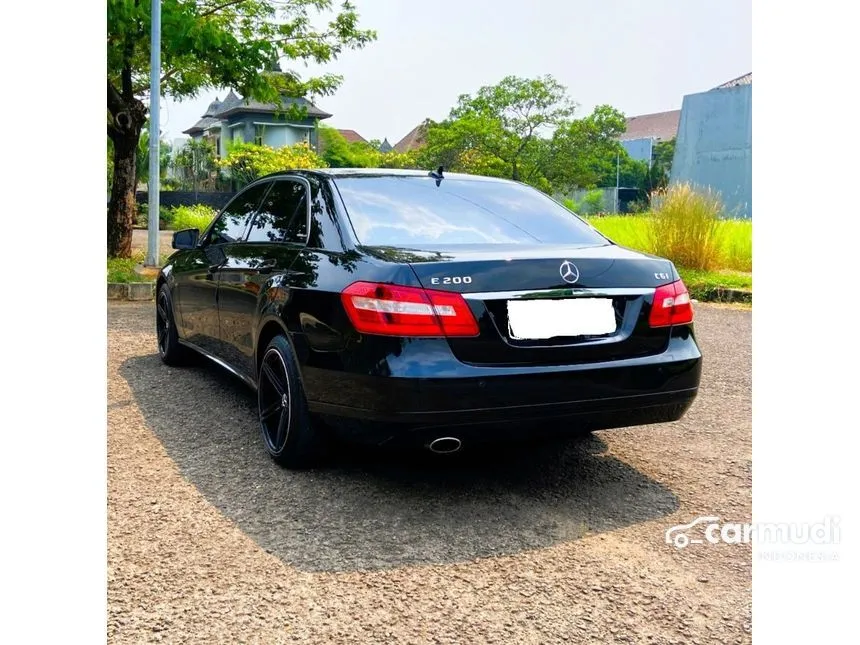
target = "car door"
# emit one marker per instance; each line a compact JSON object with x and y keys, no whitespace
{"x":275,"y":237}
{"x":197,"y":270}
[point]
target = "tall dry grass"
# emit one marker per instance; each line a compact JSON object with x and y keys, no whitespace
{"x":686,"y":227}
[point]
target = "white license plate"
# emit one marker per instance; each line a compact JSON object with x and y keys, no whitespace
{"x":541,"y":319}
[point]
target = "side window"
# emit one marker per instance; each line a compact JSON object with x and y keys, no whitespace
{"x":283,"y":217}
{"x":230,"y":225}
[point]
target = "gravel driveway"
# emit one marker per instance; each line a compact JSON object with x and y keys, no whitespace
{"x":209,"y":541}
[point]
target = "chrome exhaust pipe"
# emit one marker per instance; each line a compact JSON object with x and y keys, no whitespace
{"x":445,"y":445}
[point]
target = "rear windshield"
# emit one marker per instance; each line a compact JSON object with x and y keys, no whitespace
{"x":408,"y":211}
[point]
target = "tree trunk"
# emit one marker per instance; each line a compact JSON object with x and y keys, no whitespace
{"x":515,"y":174}
{"x":123,"y":206}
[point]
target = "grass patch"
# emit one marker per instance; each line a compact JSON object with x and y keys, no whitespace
{"x":633,"y":231}
{"x":710,"y":285}
{"x":123,"y":269}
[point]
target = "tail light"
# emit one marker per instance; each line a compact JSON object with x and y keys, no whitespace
{"x":392,"y":310}
{"x":671,"y":306}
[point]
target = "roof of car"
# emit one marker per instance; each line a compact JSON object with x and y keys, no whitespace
{"x":386,"y":172}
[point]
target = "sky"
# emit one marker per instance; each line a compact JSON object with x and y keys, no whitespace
{"x":639,"y":57}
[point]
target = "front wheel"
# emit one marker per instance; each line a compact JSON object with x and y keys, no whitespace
{"x":285,"y":422}
{"x":169,"y":348}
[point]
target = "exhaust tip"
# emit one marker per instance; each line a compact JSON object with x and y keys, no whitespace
{"x":445,"y":445}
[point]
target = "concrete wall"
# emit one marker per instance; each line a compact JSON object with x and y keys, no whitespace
{"x":714,"y":146}
{"x":639,"y":149}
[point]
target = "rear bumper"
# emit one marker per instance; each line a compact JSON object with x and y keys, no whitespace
{"x":448,"y":393}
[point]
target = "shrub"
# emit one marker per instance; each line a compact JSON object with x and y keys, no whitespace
{"x":686,"y":227}
{"x":122,"y":270}
{"x":247,"y":161}
{"x":592,"y":203}
{"x":572,"y":205}
{"x":165,"y":216}
{"x":197,"y":216}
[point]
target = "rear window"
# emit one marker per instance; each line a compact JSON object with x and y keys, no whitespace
{"x":408,"y":211}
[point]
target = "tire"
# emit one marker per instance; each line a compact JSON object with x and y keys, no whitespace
{"x":169,"y":349}
{"x":282,"y":409}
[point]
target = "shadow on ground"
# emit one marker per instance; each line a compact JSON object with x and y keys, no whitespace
{"x":369,"y":510}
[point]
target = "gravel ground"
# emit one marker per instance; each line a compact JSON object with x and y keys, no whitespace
{"x":209,"y":541}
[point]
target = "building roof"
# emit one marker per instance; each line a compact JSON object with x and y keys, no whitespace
{"x":207,"y":120}
{"x":414,"y":139}
{"x":385,"y":146}
{"x":352,"y":136}
{"x":234,"y":104}
{"x":746,"y":79}
{"x":660,"y":125}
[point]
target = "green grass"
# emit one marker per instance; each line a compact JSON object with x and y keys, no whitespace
{"x":708,"y":285}
{"x":633,"y":231}
{"x":123,"y":269}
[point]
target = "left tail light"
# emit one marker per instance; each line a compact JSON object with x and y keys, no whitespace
{"x":672,"y":306}
{"x":392,"y":310}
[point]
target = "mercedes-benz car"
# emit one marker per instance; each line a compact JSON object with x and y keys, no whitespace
{"x":425,"y":308}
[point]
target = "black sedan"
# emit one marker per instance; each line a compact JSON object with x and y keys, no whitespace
{"x":428,"y":308}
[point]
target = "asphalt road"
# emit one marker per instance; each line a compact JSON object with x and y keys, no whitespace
{"x":562,"y":542}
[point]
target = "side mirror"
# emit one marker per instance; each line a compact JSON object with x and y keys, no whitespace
{"x":186,"y":239}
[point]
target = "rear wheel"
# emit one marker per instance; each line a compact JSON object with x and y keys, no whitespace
{"x":285,"y":423}
{"x":169,"y":349}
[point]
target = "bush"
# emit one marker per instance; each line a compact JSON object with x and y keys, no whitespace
{"x":165,"y":217}
{"x":686,"y":227}
{"x":197,"y":216}
{"x":247,"y":161}
{"x":592,"y":203}
{"x":122,"y":270}
{"x":572,"y":205}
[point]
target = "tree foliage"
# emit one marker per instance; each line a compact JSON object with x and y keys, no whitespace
{"x":196,"y":166}
{"x":583,"y":152}
{"x":498,"y":129}
{"x":337,"y":152}
{"x":142,"y":157}
{"x":204,"y":44}
{"x":248,"y":161}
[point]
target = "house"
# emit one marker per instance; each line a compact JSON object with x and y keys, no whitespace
{"x":647,"y":129}
{"x":238,"y":119}
{"x":416,"y":138}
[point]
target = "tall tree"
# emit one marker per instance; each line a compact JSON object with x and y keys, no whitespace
{"x":204,"y":44}
{"x":583,"y":152}
{"x":501,"y":124}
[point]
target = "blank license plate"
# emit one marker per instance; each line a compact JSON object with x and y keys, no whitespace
{"x":540,"y":319}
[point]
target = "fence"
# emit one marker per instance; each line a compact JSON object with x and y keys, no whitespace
{"x":170,"y":198}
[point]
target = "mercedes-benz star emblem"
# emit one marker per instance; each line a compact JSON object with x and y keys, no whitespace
{"x":568,"y":271}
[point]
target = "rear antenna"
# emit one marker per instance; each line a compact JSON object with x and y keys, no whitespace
{"x":437,"y":175}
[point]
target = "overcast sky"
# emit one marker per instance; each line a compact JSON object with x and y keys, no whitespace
{"x":637,"y":56}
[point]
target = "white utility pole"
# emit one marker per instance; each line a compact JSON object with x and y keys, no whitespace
{"x":154,"y":135}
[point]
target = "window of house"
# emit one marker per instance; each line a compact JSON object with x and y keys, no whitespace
{"x":283,"y":216}
{"x":259,"y":130}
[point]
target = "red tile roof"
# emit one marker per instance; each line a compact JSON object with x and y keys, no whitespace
{"x":661,"y":125}
{"x":414,"y":139}
{"x":352,"y":136}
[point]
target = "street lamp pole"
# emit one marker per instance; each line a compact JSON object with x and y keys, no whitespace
{"x":154,"y":135}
